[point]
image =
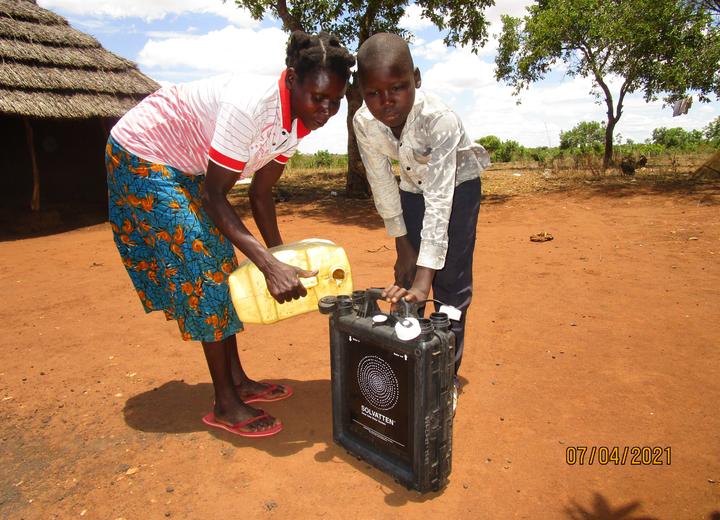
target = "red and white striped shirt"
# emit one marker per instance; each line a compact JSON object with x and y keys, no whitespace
{"x":217,"y":119}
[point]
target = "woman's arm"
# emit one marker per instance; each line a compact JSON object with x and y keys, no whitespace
{"x":282,"y":279}
{"x":263,"y":204}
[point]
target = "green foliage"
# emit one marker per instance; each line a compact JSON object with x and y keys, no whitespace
{"x":677,"y":138}
{"x":668,"y":47}
{"x":712,"y":132}
{"x":321,"y":159}
{"x":508,"y":151}
{"x":463,"y":21}
{"x":586,"y":136}
{"x":490,"y":142}
{"x":502,"y":151}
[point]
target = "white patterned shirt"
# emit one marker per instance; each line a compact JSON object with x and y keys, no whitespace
{"x":435,"y":155}
{"x":225,"y":119}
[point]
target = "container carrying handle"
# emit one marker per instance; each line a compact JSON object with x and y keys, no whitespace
{"x":310,"y":281}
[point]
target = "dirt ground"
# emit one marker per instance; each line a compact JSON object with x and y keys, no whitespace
{"x":607,"y":336}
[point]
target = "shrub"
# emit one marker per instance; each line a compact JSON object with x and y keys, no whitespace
{"x":677,"y":138}
{"x":712,"y":132}
{"x":585,"y":136}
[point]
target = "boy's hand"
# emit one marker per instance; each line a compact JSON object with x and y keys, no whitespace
{"x":394,"y":293}
{"x":405,"y":264}
{"x":417,"y":293}
{"x":283,"y":281}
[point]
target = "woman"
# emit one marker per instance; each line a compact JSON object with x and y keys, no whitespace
{"x":171,"y":162}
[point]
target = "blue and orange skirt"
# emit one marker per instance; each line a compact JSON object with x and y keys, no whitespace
{"x":176,"y":257}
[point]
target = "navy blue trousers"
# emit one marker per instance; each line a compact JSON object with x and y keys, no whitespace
{"x":453,"y":283}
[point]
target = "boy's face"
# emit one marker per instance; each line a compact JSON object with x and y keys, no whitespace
{"x":389,"y":93}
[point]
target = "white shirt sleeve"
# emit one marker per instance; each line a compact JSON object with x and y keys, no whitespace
{"x":382,"y":182}
{"x":235,"y":131}
{"x":445,"y":134}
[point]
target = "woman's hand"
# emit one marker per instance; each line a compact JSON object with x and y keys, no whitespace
{"x":283,"y":281}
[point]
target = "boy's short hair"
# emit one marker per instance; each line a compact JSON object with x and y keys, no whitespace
{"x":384,"y":49}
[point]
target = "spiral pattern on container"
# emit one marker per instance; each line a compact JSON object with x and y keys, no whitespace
{"x":377,"y":382}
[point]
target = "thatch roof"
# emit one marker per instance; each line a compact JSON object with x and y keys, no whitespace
{"x":50,"y":70}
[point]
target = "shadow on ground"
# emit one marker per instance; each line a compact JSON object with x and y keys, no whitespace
{"x":602,"y":510}
{"x":177,"y":407}
{"x":16,"y":224}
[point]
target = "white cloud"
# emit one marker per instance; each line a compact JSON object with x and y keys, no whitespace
{"x":549,"y":108}
{"x":150,"y":10}
{"x":434,"y":50}
{"x":230,"y":49}
{"x":412,"y":20}
{"x":516,"y":8}
{"x":459,"y":70}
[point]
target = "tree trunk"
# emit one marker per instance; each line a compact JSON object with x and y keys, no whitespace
{"x":607,"y":158}
{"x":35,"y":200}
{"x":356,"y":184}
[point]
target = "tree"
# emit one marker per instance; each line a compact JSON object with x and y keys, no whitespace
{"x":676,"y":137}
{"x":491,"y":143}
{"x":355,"y":21}
{"x":712,"y":131}
{"x":586,"y":135}
{"x":668,"y":47}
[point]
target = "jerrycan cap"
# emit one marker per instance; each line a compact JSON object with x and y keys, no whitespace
{"x":407,"y":328}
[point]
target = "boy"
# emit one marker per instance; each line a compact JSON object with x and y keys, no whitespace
{"x":433,"y":213}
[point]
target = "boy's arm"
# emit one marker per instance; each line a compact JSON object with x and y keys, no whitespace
{"x":438,"y":190}
{"x":386,"y":195}
{"x":382,"y":181}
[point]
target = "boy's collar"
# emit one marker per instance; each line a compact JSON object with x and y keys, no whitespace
{"x":285,"y":109}
{"x":417,"y":106}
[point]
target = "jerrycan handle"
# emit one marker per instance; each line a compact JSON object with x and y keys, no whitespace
{"x":310,"y":281}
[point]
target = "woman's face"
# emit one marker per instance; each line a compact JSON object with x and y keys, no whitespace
{"x":316,"y":98}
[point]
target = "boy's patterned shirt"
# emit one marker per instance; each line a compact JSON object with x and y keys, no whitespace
{"x":435,"y":155}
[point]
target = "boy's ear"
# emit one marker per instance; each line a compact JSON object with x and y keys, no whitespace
{"x":290,"y":78}
{"x":418,"y":80}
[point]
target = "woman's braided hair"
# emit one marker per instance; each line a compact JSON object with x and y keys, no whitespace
{"x":310,"y":52}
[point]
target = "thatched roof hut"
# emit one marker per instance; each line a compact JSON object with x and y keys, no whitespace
{"x":50,"y":72}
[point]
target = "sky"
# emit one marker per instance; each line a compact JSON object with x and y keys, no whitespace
{"x":176,"y":41}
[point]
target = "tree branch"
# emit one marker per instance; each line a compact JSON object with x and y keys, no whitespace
{"x":290,"y":23}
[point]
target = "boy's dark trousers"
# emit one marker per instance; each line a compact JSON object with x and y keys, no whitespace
{"x":453,"y":283}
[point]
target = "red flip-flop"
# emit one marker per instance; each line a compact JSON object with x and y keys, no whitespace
{"x":237,"y":429}
{"x":263,"y":396}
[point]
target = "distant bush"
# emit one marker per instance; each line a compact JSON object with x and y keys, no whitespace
{"x":712,"y":132}
{"x":586,"y":136}
{"x":490,"y":142}
{"x":320,"y":159}
{"x":677,"y":138}
{"x":502,"y":151}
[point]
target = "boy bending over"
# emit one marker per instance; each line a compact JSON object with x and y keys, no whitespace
{"x":433,"y":213}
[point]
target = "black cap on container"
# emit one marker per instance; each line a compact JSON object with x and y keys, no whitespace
{"x":327,"y":304}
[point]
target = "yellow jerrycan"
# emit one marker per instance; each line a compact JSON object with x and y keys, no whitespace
{"x":253,"y":301}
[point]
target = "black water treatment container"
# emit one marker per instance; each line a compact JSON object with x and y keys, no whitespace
{"x":392,"y":397}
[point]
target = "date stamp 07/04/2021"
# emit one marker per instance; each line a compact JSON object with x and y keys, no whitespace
{"x":618,"y":455}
